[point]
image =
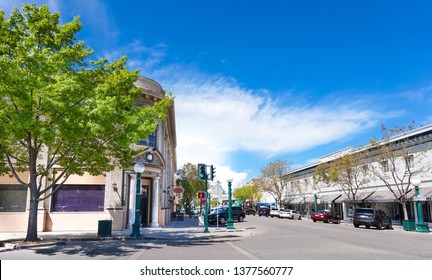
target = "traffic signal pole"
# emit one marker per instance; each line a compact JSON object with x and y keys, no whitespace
{"x":202,"y":175}
{"x":206,"y":230}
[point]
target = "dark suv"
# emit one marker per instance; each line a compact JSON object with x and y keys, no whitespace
{"x":264,"y":211}
{"x":371,"y":217}
{"x":237,"y":214}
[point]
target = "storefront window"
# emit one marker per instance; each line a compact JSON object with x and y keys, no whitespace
{"x":79,"y":198}
{"x":13,"y":198}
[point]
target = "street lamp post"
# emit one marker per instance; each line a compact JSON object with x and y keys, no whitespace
{"x":315,"y":201}
{"x":136,"y":227}
{"x":421,"y":225}
{"x":230,"y":222}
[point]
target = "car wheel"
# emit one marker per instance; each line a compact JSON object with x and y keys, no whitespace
{"x":379,"y":226}
{"x":222,"y":221}
{"x":326,"y":221}
{"x":299,"y":218}
{"x":367,"y":226}
{"x":241,"y":219}
{"x":314,"y":221}
{"x":390,"y":226}
{"x":356,"y":225}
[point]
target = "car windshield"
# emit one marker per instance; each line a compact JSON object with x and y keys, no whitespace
{"x":219,"y":210}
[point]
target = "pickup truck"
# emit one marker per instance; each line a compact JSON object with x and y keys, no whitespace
{"x":325,"y":216}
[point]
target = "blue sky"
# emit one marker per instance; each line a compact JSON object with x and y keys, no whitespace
{"x":260,"y":80}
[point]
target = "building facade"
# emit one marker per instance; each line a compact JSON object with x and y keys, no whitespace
{"x":383,"y":181}
{"x":85,"y":200}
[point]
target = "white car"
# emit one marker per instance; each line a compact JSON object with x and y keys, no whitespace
{"x":290,"y":214}
{"x":274,"y":212}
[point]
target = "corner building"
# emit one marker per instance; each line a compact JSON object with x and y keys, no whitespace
{"x":85,"y":200}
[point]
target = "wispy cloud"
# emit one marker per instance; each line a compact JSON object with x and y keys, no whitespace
{"x":216,"y":117}
{"x":139,"y":55}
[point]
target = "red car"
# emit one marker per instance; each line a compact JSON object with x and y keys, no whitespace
{"x":325,"y":216}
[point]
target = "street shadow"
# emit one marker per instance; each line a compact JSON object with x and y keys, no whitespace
{"x":123,"y":248}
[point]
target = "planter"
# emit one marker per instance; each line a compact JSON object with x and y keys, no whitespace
{"x":409,"y":225}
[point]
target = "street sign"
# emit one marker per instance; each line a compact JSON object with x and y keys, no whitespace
{"x":419,"y":198}
{"x":178,"y":189}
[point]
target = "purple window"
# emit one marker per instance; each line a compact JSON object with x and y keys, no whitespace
{"x":79,"y":198}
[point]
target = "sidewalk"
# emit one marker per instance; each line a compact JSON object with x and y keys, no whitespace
{"x":174,"y":230}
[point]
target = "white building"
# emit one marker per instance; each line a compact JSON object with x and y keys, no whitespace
{"x":376,"y":187}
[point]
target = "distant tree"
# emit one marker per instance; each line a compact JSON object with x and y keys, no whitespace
{"x":247,"y":192}
{"x":188,"y":179}
{"x":395,"y":161}
{"x":271,"y":179}
{"x":55,"y":101}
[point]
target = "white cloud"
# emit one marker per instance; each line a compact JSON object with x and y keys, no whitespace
{"x":216,"y":117}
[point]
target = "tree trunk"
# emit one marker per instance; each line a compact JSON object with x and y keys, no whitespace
{"x":405,"y":211}
{"x":32,"y":235}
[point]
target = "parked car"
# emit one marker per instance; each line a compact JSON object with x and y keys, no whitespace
{"x":274,"y":212}
{"x":237,"y":214}
{"x":250,"y":211}
{"x":264,"y":211}
{"x":371,"y":217}
{"x":289,"y":214}
{"x":326,"y":216}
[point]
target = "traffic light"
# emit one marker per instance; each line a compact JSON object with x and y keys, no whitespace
{"x":200,"y":195}
{"x":202,"y":174}
{"x":212,"y":172}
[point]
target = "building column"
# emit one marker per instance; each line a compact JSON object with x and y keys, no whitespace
{"x":155,"y":203}
{"x":132,"y":199}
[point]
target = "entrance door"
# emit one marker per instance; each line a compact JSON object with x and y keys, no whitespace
{"x":145,"y":203}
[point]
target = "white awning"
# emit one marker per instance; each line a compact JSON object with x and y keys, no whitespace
{"x":382,"y":196}
{"x":329,"y":198}
{"x":300,"y":200}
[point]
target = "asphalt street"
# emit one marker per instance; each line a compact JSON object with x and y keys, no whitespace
{"x":257,"y":238}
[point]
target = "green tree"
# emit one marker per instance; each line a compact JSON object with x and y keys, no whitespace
{"x":188,"y":179}
{"x":55,"y":101}
{"x":247,"y":192}
{"x":349,"y":172}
